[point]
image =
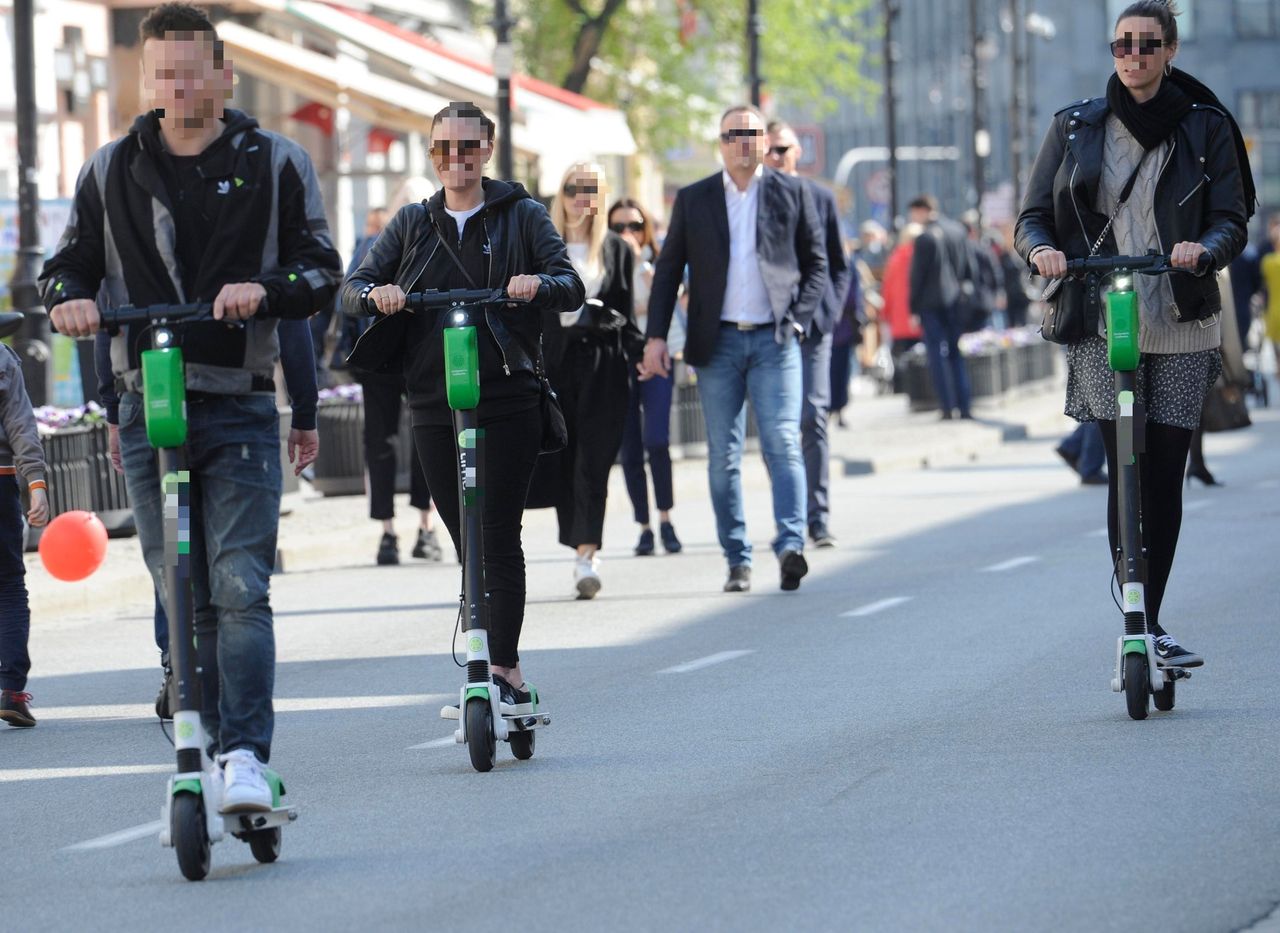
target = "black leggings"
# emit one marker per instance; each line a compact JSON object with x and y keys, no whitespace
{"x":1161,"y":470}
{"x":511,"y":446}
{"x":382,"y":400}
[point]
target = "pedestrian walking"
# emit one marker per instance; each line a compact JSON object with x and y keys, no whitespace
{"x":474,"y":230}
{"x":646,"y":435}
{"x":1157,"y":163}
{"x":756,"y":255}
{"x":942,"y":283}
{"x":1084,"y":452}
{"x":784,"y":155}
{"x":21,"y":464}
{"x":601,"y":347}
{"x":157,"y":220}
{"x":1017,"y":297}
{"x":1271,"y":282}
{"x":904,"y":327}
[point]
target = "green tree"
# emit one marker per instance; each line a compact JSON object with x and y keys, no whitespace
{"x":629,"y":53}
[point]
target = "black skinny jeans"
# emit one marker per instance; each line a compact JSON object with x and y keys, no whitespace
{"x":382,"y":400}
{"x":1160,"y":472}
{"x":511,"y":444}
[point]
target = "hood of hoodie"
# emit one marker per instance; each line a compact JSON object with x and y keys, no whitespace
{"x":497,"y":194}
{"x":234,"y":122}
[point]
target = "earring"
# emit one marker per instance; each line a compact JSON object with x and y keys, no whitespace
{"x":1168,"y":69}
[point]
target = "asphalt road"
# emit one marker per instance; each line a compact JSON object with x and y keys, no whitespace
{"x":922,"y":738}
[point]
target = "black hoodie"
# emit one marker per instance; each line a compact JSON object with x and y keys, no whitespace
{"x":511,"y":235}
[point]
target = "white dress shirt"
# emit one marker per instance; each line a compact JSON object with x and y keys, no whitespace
{"x":745,"y":299}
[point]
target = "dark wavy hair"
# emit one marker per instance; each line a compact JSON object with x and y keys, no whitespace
{"x":649,"y":239}
{"x":184,"y":19}
{"x":464,"y":110}
{"x":1165,"y":12}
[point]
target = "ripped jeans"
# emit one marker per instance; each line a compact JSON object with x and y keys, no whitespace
{"x":233,"y":454}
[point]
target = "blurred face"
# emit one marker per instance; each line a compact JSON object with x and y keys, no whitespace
{"x":918,"y":215}
{"x":460,"y":149}
{"x":1275,"y":235}
{"x":784,"y":151}
{"x":742,"y":141}
{"x":628,"y":223}
{"x":374,"y":221}
{"x":582,"y":194}
{"x":1140,"y":53}
{"x":182,"y":80}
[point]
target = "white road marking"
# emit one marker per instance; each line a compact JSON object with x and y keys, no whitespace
{"x":13,"y":775}
{"x":1099,"y":533}
{"x":282,"y":705}
{"x":873,"y":608}
{"x":1269,"y":484}
{"x":434,"y":743}
{"x":1197,"y":505}
{"x":709,"y":660}
{"x":118,"y":839}
{"x":1010,"y":564}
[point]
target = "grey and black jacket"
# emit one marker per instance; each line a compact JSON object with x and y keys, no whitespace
{"x":1199,"y":196}
{"x":119,"y":247}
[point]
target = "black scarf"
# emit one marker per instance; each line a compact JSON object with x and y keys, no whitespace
{"x":1155,"y":121}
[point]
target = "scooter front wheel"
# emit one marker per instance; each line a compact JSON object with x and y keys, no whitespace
{"x":1164,"y":699}
{"x":480,"y":740}
{"x":265,"y":844}
{"x":190,"y":836}
{"x":1137,"y":686}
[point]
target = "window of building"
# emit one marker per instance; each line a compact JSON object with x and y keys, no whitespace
{"x":1257,"y":19}
{"x":1260,"y":111}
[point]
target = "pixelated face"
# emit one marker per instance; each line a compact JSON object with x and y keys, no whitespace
{"x":784,"y":151}
{"x":374,"y":221}
{"x":918,"y":215}
{"x":184,"y":79}
{"x":628,"y":223}
{"x":742,"y":140}
{"x":582,"y":193}
{"x":1140,"y":52}
{"x":460,"y":149}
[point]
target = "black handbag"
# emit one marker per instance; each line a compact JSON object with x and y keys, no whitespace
{"x":1224,"y":408}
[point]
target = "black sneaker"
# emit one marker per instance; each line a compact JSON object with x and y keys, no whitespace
{"x":739,"y":579}
{"x":164,"y":708}
{"x":388,"y":550}
{"x":644,"y":547}
{"x":521,"y":702}
{"x":1173,"y":654}
{"x":428,"y":547}
{"x":14,"y":708}
{"x":821,"y":537}
{"x":670,"y":543}
{"x":794,"y":567}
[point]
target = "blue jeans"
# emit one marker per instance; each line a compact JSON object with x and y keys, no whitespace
{"x":233,"y":453}
{"x":814,"y":441}
{"x":1084,"y":445}
{"x":753,"y":364}
{"x":648,"y":430}
{"x":15,"y":612}
{"x":942,"y":343}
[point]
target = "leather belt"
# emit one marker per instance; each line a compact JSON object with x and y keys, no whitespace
{"x":743,"y":325}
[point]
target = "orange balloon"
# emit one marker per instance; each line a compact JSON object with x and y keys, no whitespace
{"x":73,"y":545}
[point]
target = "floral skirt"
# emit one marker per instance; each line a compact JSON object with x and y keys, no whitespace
{"x":1172,"y":386}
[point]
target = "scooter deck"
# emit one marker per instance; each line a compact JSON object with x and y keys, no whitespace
{"x":513,"y":714}
{"x":238,"y":824}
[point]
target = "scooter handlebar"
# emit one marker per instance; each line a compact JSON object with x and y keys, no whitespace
{"x":1153,"y":264}
{"x":434,"y":299}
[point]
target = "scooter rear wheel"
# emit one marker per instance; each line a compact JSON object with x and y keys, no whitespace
{"x":480,"y":741}
{"x":190,"y":836}
{"x":1137,"y":685}
{"x":1164,"y":699}
{"x":265,"y":844}
{"x":522,"y":743}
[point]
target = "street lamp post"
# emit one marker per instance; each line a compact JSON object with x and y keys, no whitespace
{"x":32,"y":342}
{"x":755,"y":27}
{"x":891,"y":10}
{"x":503,"y":65}
{"x":1016,"y":25}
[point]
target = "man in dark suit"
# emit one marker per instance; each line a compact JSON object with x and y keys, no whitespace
{"x":815,"y":350}
{"x":942,"y":276}
{"x":757,"y":271}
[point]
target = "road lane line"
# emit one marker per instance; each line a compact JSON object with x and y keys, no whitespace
{"x":13,"y":775}
{"x":873,"y":608}
{"x":1269,"y":484}
{"x":1013,"y":564}
{"x":1197,"y":505}
{"x":709,"y":660}
{"x":118,"y":839}
{"x":285,"y":705}
{"x":434,"y":743}
{"x":1099,"y":533}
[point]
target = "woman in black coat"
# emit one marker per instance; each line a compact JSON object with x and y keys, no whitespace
{"x":592,"y":353}
{"x":502,"y":239}
{"x":1163,"y":137}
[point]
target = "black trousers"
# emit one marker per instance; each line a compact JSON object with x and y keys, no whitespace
{"x":382,"y":401}
{"x":594,"y":391}
{"x":511,"y":444}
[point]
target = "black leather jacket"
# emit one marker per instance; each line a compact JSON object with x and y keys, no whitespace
{"x":1199,"y":196}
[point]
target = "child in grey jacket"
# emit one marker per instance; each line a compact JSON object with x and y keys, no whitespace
{"x":21,"y":455}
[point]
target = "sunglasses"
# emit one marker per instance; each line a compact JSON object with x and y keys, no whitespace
{"x":1122,"y":47}
{"x":572,"y":191}
{"x":731,"y":135}
{"x":634,"y":226}
{"x":455,"y":147}
{"x":779,"y":150}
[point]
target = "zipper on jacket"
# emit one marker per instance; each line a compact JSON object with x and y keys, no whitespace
{"x":1163,"y":168}
{"x":1072,"y":185}
{"x":1203,"y":179}
{"x":488,"y":281}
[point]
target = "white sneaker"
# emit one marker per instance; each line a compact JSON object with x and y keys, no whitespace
{"x":586,"y":578}
{"x":246,"y":783}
